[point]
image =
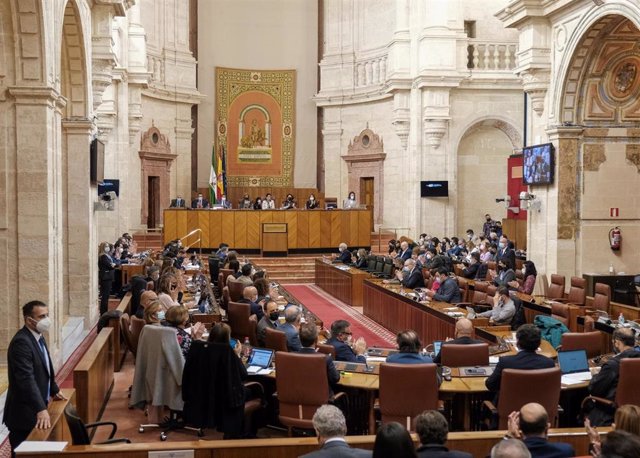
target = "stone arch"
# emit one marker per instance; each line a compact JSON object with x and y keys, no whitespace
{"x":73,"y":62}
{"x":502,"y":124}
{"x":579,"y":53}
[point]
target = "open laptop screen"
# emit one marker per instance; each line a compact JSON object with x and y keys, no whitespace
{"x":437,"y":345}
{"x":260,"y":357}
{"x":573,"y":361}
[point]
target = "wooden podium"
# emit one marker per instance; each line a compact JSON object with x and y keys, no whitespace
{"x":274,"y":239}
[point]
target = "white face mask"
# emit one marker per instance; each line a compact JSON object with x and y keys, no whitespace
{"x":106,"y":249}
{"x":160,"y":315}
{"x":43,"y":325}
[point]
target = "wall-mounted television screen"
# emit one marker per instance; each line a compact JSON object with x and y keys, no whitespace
{"x":96,"y":152}
{"x":434,"y":189}
{"x":538,"y":163}
{"x":109,"y":185}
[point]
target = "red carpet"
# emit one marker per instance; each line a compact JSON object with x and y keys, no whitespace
{"x":329,"y":309}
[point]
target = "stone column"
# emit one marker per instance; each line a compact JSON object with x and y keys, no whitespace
{"x":38,"y":196}
{"x":82,"y":244}
{"x":335,"y":181}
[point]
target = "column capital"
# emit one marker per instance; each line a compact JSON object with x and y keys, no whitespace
{"x":564,"y":132}
{"x":78,"y":125}
{"x":35,"y":95}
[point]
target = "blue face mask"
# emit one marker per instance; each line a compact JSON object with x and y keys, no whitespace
{"x":501,"y":245}
{"x":160,"y":315}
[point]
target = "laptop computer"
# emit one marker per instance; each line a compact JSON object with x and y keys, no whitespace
{"x":437,"y":345}
{"x":259,"y":359}
{"x":574,"y":366}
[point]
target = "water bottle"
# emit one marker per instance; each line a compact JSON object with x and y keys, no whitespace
{"x":246,"y":347}
{"x":621,"y":318}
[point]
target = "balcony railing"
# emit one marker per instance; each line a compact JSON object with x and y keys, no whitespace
{"x":489,"y":56}
{"x":371,"y":71}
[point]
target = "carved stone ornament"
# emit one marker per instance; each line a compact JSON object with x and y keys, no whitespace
{"x":592,"y":157}
{"x":435,"y":129}
{"x":536,"y":84}
{"x":366,"y":142}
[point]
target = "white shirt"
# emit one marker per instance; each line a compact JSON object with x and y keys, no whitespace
{"x":268,"y":204}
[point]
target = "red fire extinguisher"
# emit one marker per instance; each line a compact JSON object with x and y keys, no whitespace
{"x":615,"y":238}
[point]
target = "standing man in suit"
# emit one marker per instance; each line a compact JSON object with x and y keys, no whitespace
{"x":331,"y":427}
{"x":341,"y":340}
{"x":528,"y":340}
{"x":31,"y":376}
{"x":464,"y":336}
{"x":178,"y":202}
{"x":505,"y":251}
{"x":200,"y":202}
{"x":106,"y":275}
{"x":410,"y":276}
{"x":345,"y":255}
{"x":291,"y":326}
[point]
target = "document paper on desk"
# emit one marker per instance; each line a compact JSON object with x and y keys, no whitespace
{"x":574,"y":366}
{"x":41,"y":446}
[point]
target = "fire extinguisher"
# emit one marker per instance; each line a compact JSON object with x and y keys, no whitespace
{"x":615,"y":238}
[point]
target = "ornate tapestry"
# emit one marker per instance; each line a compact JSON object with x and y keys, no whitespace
{"x":255,"y":125}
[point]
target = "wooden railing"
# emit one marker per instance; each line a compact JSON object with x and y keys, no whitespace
{"x":59,"y":430}
{"x":119,"y":348}
{"x":93,"y":377}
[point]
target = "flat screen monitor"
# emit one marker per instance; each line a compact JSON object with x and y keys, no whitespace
{"x":538,"y":163}
{"x":109,"y":185}
{"x":434,"y":189}
{"x":96,"y":152}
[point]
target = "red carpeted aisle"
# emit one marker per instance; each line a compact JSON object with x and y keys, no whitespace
{"x":329,"y":309}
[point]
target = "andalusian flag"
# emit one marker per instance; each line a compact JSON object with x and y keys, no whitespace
{"x":213,"y":177}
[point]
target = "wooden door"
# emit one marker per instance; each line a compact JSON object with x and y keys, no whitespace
{"x":367,"y":194}
{"x":153,"y":201}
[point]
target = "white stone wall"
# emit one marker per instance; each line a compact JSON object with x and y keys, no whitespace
{"x":260,"y":34}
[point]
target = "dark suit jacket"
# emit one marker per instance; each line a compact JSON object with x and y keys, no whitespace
{"x":440,"y":451}
{"x":28,"y":381}
{"x":406,"y":254}
{"x":106,"y":270}
{"x":408,"y":358}
{"x":414,"y":280}
{"x":338,"y":449}
{"x":344,"y":352}
{"x":448,"y":292}
{"x":522,"y":360}
{"x":507,"y":253}
{"x":293,"y":338}
{"x":174,"y":203}
{"x":205,"y":203}
{"x":459,"y":341}
{"x":542,"y":448}
{"x":344,"y":257}
{"x":332,"y":373}
{"x":261,"y":331}
{"x":256,"y":309}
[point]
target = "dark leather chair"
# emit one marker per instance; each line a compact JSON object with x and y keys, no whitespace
{"x":602,"y":297}
{"x":235,"y":290}
{"x":275,"y":340}
{"x":577,"y":293}
{"x":327,"y":350}
{"x":225,"y":299}
{"x":225,"y":273}
{"x":589,"y":341}
{"x":407,"y":390}
{"x":491,"y":292}
{"x":455,"y":355}
{"x":560,"y":312}
{"x":208,"y":319}
{"x":542,"y":386}
{"x":481,"y":286}
{"x":302,"y":386}
{"x":463,"y":284}
{"x":627,"y":390}
{"x":136,"y":328}
{"x":241,"y":325}
{"x":79,"y":432}
{"x":127,"y":336}
{"x":556,"y":288}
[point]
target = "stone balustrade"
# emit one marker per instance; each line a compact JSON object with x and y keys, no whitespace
{"x":486,"y":55}
{"x":371,"y":71}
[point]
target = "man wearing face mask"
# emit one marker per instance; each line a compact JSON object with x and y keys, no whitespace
{"x":506,"y":252}
{"x":345,"y":255}
{"x":269,"y":320}
{"x":604,"y":383}
{"x":31,"y":376}
{"x":341,"y":339}
{"x":488,"y":225}
{"x":448,"y":290}
{"x":410,"y":276}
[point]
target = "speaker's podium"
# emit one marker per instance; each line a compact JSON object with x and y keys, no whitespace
{"x":274,"y":239}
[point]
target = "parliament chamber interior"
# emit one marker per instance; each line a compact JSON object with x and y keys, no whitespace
{"x":388,"y":228}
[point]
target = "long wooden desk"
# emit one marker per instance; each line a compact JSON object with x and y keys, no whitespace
{"x":59,"y":430}
{"x":241,"y":229}
{"x":344,"y":284}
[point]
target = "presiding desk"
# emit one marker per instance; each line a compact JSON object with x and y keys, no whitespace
{"x":341,"y":281}
{"x":242,"y":229}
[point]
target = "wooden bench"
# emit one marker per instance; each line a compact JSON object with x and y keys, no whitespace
{"x":119,"y":347}
{"x":93,"y":377}
{"x":476,"y":443}
{"x":59,"y":430}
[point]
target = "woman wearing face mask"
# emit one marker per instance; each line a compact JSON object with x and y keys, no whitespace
{"x":168,"y":291}
{"x":505,"y":273}
{"x":258,"y":204}
{"x":485,"y":254}
{"x":529,"y":273}
{"x":153,"y":313}
{"x":350,"y":202}
{"x":311,"y":203}
{"x":106,"y":267}
{"x":361,"y":261}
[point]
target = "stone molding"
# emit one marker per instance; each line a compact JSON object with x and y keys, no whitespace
{"x":536,"y":84}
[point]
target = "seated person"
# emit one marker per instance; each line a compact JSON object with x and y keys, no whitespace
{"x":291,"y":326}
{"x":529,"y":273}
{"x":345,"y":255}
{"x":341,"y":340}
{"x":393,"y":439}
{"x":471,"y":271}
{"x":405,"y":251}
{"x":605,"y":382}
{"x":331,"y":427}
{"x":620,"y":444}
{"x":178,"y":202}
{"x":432,"y":429}
{"x":245,"y":277}
{"x":510,"y":448}
{"x":456,"y":248}
{"x":308,"y":337}
{"x":250,"y":296}
{"x":350,"y":202}
{"x":178,"y":317}
{"x":199,"y":202}
{"x":410,"y":276}
{"x":361,"y":261}
{"x":627,"y":418}
{"x":463,"y":334}
{"x":224,"y":203}
{"x":245,"y":202}
{"x":234,"y":266}
{"x":268,"y":203}
{"x":503,"y":308}
{"x":289,"y":203}
{"x":257,"y":205}
{"x":531,"y":425}
{"x":223,"y":251}
{"x":311,"y":203}
{"x":528,"y":340}
{"x":505,"y":273}
{"x":448,"y":291}
{"x":269,"y":320}
{"x":409,"y":348}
